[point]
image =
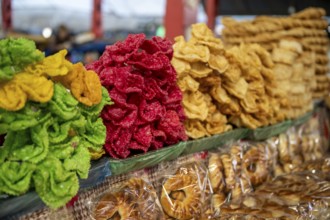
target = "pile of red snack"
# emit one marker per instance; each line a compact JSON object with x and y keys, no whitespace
{"x":147,"y":112}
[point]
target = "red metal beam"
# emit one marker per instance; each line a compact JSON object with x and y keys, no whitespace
{"x":174,"y":19}
{"x":211,"y":11}
{"x":97,"y":19}
{"x":6,"y":14}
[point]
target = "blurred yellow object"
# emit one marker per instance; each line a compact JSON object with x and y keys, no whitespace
{"x":95,"y":155}
{"x":54,"y":65}
{"x":23,"y":87}
{"x":84,"y":84}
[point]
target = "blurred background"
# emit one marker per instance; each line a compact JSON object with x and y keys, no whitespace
{"x":85,"y":27}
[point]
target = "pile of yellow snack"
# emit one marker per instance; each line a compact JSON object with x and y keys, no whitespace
{"x":224,"y":87}
{"x":295,"y":74}
{"x":306,"y":28}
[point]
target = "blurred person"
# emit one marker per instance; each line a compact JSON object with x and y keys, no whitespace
{"x":61,"y":40}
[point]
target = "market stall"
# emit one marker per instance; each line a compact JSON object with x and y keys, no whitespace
{"x":205,"y":128}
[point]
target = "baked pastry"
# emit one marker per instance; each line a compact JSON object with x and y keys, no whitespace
{"x":115,"y":206}
{"x":181,"y":207}
{"x":255,"y":165}
{"x":135,"y":199}
{"x":215,"y":168}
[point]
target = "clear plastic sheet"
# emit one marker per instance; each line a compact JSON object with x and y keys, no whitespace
{"x":149,"y":159}
{"x":302,"y":119}
{"x":184,"y":189}
{"x":134,"y":198}
{"x":292,"y":196}
{"x":286,"y":177}
{"x":236,"y":170}
{"x":264,"y":133}
{"x":215,"y":141}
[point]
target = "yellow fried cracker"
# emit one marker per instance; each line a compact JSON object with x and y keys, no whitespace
{"x":284,"y":56}
{"x":190,"y":52}
{"x":232,"y":108}
{"x":249,"y":103}
{"x":216,"y":122}
{"x":206,"y":37}
{"x":199,"y":70}
{"x":86,"y":88}
{"x":233,"y":73}
{"x":25,"y":86}
{"x":267,"y":74}
{"x":37,"y":88}
{"x":226,"y":103}
{"x":195,"y":105}
{"x":12,"y":97}
{"x":263,"y":105}
{"x":251,"y":73}
{"x":245,"y":120}
{"x":67,"y":79}
{"x":257,"y":88}
{"x":188,"y":83}
{"x":297,"y":71}
{"x":195,"y":129}
{"x":182,"y":67}
{"x":220,"y":95}
{"x":54,"y":65}
{"x":282,"y":71}
{"x":263,"y":54}
{"x":218,"y":63}
{"x":292,"y":45}
{"x":208,"y":82}
{"x":217,"y":128}
{"x":238,"y":89}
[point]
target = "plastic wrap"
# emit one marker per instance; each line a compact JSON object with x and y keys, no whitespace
{"x":146,"y":160}
{"x":184,"y":189}
{"x":303,"y":119}
{"x":313,"y":147}
{"x":292,"y":196}
{"x":134,"y":198}
{"x":269,"y":131}
{"x":214,"y":141}
{"x":236,"y":170}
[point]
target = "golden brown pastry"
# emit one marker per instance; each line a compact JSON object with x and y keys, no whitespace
{"x":310,"y":13}
{"x":255,"y":165}
{"x":115,"y":206}
{"x":215,"y":168}
{"x":181,"y":208}
{"x":229,"y":171}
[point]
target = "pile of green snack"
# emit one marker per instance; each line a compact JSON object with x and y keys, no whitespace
{"x":47,"y":145}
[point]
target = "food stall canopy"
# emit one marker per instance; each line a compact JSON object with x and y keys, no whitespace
{"x":76,"y":14}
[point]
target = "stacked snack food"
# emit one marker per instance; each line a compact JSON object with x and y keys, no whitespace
{"x":199,"y":63}
{"x":313,"y":20}
{"x":300,"y":148}
{"x":222,"y":87}
{"x":264,"y":97}
{"x":306,"y":27}
{"x":49,"y":130}
{"x":147,"y":112}
{"x":293,"y":71}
